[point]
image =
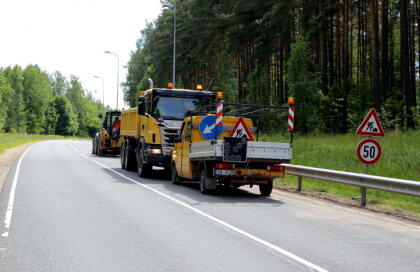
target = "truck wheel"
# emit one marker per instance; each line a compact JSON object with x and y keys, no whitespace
{"x":175,"y":178}
{"x":143,"y":169}
{"x":130,"y":159}
{"x":101,"y":152}
{"x":93,"y":146}
{"x":266,"y":189}
{"x":122,"y":156}
{"x":203,"y":182}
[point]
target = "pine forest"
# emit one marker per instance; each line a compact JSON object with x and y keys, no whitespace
{"x":338,"y":58}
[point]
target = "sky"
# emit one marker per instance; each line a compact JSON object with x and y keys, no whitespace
{"x":70,"y":36}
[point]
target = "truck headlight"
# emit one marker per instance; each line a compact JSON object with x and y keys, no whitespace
{"x":154,"y":151}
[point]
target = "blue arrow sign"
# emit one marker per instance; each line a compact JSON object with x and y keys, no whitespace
{"x":207,"y":127}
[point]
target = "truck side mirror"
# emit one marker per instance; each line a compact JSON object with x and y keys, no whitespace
{"x":141,"y":109}
{"x":100,"y":116}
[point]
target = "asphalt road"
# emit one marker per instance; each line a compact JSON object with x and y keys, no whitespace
{"x":71,"y":211}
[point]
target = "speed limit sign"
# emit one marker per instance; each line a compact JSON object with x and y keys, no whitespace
{"x":369,"y":151}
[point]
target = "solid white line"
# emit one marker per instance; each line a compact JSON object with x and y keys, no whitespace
{"x":9,"y":211}
{"x":242,"y":232}
{"x":83,"y":155}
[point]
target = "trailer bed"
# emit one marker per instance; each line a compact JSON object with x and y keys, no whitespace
{"x":256,"y":151}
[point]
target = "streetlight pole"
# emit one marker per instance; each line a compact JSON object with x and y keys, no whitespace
{"x":118,"y":71}
{"x":173,"y":62}
{"x":103,"y":90}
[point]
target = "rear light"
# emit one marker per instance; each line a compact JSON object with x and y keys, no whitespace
{"x":154,"y":150}
{"x":225,"y":166}
{"x":275,"y":168}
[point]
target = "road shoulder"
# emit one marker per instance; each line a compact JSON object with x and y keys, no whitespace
{"x":372,"y":208}
{"x":7,"y":158}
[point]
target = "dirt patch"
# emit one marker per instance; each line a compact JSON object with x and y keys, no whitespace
{"x":372,"y":207}
{"x":7,"y":158}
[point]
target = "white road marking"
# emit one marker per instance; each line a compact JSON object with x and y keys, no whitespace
{"x":240,"y":231}
{"x":9,"y":210}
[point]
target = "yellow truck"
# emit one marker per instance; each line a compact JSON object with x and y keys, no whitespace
{"x":228,"y":156}
{"x":107,"y":140}
{"x":147,"y":132}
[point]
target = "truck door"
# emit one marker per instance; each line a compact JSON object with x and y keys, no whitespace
{"x":185,"y":160}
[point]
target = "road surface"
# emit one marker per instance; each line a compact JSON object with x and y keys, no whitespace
{"x":68,"y":210}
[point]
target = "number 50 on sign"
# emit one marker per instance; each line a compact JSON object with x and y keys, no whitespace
{"x":369,"y":151}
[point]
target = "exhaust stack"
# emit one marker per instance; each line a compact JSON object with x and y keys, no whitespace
{"x":150,"y":83}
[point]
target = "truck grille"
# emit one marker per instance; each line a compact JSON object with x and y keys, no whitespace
{"x":170,"y":129}
{"x":167,"y":133}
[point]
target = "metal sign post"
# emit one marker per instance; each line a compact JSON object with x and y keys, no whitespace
{"x":369,"y":151}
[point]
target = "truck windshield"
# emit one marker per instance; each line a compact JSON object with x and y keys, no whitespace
{"x":176,"y":107}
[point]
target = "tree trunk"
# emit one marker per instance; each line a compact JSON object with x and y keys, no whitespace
{"x":337,"y":43}
{"x":385,"y":65}
{"x":412,"y":49}
{"x":375,"y":56}
{"x":405,"y":65}
{"x":331,"y":46}
{"x":346,"y":75}
{"x":282,"y":91}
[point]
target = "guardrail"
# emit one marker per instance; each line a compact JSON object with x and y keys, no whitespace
{"x":399,"y":186}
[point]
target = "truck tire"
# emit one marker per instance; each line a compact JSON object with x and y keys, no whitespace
{"x":130,"y":157}
{"x":93,"y":146}
{"x":96,"y":147}
{"x":174,"y":177}
{"x":266,"y":189}
{"x":122,"y":156}
{"x":143,"y":169}
{"x":101,"y":152}
{"x":205,"y":180}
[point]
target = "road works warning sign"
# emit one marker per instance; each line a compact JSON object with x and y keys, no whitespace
{"x":371,"y":125}
{"x":240,"y":130}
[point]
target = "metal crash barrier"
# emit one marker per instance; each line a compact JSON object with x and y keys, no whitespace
{"x":398,"y":186}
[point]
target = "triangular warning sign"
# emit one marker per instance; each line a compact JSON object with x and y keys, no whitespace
{"x":240,"y":130}
{"x":371,"y":125}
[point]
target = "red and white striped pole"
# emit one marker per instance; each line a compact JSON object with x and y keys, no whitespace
{"x":219,"y":114}
{"x":291,"y":118}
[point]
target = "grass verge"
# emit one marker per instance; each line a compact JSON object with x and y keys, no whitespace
{"x":400,"y":159}
{"x":12,"y":140}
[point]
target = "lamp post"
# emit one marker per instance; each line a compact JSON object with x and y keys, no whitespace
{"x":118,"y":71}
{"x":173,"y":61}
{"x":103,"y":90}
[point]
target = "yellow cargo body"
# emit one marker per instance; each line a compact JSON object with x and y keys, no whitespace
{"x":130,"y":123}
{"x":138,"y":126}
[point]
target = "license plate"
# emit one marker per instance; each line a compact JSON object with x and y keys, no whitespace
{"x":224,"y":172}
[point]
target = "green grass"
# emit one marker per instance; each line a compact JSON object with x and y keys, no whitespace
{"x":12,"y":140}
{"x":400,"y":159}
